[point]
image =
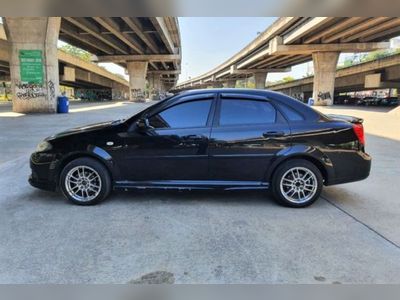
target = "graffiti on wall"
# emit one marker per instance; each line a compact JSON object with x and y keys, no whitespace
{"x":5,"y":91}
{"x":324,"y":96}
{"x":52,"y":89}
{"x":30,"y":91}
{"x":137,"y":94}
{"x":93,"y":94}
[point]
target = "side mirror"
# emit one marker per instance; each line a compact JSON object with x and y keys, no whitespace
{"x":143,"y":124}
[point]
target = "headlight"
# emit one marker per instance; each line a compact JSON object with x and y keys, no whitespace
{"x":43,"y":146}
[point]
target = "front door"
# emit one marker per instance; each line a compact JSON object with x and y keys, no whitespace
{"x":174,"y":148}
{"x":246,"y":136}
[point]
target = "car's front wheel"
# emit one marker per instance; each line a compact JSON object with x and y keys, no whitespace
{"x":85,"y":181}
{"x":297,"y":183}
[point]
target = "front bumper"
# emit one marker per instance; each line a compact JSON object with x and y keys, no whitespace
{"x":44,"y":175}
{"x":43,"y":185}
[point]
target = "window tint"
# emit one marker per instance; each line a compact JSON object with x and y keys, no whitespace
{"x":235,"y":112}
{"x":189,"y":114}
{"x":290,"y":113}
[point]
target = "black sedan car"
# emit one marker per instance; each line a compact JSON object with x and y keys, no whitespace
{"x":230,"y":139}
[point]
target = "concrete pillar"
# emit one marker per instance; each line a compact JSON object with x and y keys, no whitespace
{"x":168,"y":86}
{"x":260,"y":79}
{"x":34,"y":63}
{"x":155,"y":86}
{"x":325,"y":64}
{"x":230,"y":83}
{"x":137,"y":71}
{"x":119,"y":91}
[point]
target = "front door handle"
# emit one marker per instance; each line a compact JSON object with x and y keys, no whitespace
{"x":193,"y":137}
{"x":273,"y":134}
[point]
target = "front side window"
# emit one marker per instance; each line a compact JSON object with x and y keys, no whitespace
{"x":246,"y":112}
{"x":185,"y":115}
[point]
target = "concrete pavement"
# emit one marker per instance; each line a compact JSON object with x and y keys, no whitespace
{"x":374,"y":201}
{"x":196,"y":237}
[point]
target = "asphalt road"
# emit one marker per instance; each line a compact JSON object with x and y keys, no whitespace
{"x":351,"y":235}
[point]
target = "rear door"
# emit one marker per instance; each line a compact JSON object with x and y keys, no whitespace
{"x":248,"y":131}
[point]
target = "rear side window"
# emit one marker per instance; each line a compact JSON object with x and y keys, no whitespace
{"x":246,"y":112}
{"x":290,"y":113}
{"x":185,"y":115}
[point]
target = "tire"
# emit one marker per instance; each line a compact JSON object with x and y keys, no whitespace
{"x":290,"y":189}
{"x":85,"y":181}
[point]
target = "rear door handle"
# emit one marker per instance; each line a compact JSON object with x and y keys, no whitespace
{"x":273,"y":134}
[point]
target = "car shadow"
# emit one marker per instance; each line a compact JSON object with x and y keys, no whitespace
{"x":206,"y":196}
{"x":161,"y":196}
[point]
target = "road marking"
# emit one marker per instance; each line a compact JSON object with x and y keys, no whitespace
{"x":361,"y":222}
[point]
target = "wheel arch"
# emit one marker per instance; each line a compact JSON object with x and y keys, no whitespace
{"x":321,"y":161}
{"x":71,"y":157}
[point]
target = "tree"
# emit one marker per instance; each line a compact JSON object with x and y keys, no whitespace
{"x":75,"y":51}
{"x":374,"y":55}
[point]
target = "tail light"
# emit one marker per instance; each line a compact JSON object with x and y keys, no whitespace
{"x":359,"y":131}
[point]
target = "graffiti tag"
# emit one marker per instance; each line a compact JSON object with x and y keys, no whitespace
{"x":137,"y":94}
{"x":324,"y":95}
{"x":52,"y":89}
{"x":93,"y":94}
{"x":28,"y":91}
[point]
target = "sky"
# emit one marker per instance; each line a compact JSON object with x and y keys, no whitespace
{"x":208,"y":42}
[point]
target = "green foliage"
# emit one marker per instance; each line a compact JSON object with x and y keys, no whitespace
{"x":75,"y":51}
{"x":370,"y":56}
{"x":287,"y":79}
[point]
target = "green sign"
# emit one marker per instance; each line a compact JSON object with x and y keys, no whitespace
{"x":31,"y":66}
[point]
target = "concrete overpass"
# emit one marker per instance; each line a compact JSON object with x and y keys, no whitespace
{"x":377,"y":74}
{"x":293,"y":40}
{"x":73,"y":72}
{"x":149,"y":48}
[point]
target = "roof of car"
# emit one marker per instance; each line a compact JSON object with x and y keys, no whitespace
{"x":232,"y":90}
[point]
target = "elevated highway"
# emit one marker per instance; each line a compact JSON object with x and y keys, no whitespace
{"x":152,"y":43}
{"x":149,"y":48}
{"x":73,"y":72}
{"x":377,"y":74}
{"x":293,"y":40}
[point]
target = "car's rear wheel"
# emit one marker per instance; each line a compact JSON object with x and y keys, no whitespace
{"x":297,"y":183}
{"x":85,"y":181}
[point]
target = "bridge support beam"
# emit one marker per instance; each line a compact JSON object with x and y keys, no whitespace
{"x":325,"y":64}
{"x":34,"y":63}
{"x":260,"y":79}
{"x":230,"y":83}
{"x":137,"y":71}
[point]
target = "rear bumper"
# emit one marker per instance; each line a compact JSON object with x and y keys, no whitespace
{"x":355,"y":167}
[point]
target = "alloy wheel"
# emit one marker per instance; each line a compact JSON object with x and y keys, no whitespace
{"x":298,"y":185}
{"x":83,"y":183}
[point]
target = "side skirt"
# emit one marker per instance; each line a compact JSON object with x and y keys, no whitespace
{"x":191,"y":185}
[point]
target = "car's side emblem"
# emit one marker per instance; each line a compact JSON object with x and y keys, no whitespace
{"x":110,"y":143}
